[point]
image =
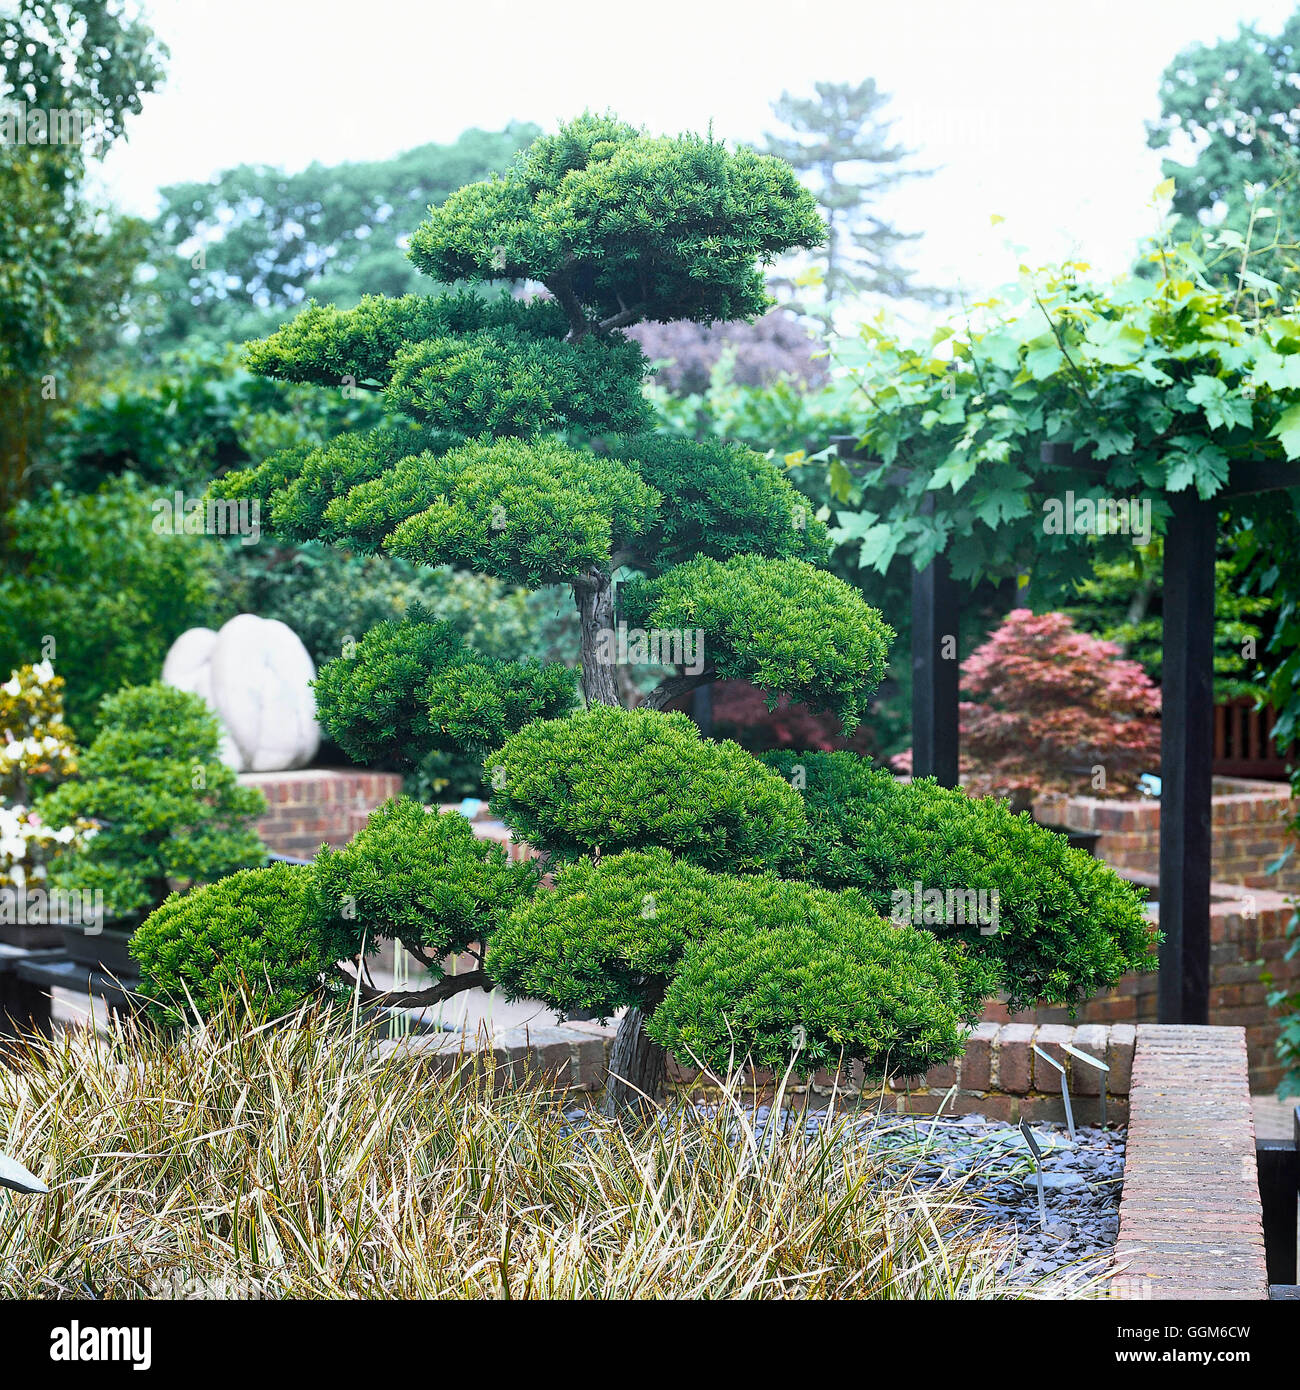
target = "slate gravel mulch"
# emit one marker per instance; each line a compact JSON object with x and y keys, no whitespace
{"x":1082,"y":1180}
{"x":1081,"y":1188}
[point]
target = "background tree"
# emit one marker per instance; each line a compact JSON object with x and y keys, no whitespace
{"x":680,"y":864}
{"x":66,"y":261}
{"x":89,"y":584}
{"x":1230,"y":121}
{"x":235,"y":254}
{"x":841,"y":145}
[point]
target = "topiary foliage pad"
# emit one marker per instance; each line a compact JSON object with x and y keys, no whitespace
{"x":608,"y":779}
{"x":1067,"y":924}
{"x":734,"y":967}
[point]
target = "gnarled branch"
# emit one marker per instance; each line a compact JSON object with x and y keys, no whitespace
{"x":669,"y":689}
{"x":621,"y":319}
{"x":448,"y":986}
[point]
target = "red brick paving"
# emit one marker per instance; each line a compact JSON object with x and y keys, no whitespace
{"x":1189,"y":1219}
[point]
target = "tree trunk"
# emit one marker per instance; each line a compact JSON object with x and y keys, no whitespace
{"x":636,"y":1062}
{"x":594,"y":594}
{"x":636,"y":1069}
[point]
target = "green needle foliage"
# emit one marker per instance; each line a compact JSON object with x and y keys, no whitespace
{"x":532,"y":514}
{"x":413,"y":687}
{"x":735,"y":965}
{"x":418,"y":877}
{"x":674,"y":862}
{"x":1067,"y":923}
{"x":611,"y":779}
{"x":620,"y":227}
{"x":241,"y":936}
{"x":720,"y":499}
{"x":169,"y":810}
{"x":325,"y":346}
{"x":508,"y":385}
{"x":779,"y":624}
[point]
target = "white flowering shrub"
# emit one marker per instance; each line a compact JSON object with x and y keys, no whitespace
{"x":36,"y":751}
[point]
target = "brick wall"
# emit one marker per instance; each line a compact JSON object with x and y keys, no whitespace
{"x":1190,"y":1222}
{"x":315,"y":806}
{"x":999,"y":1075}
{"x":1249,"y":830}
{"x":1248,"y":946}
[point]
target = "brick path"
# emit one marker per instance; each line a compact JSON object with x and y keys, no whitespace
{"x":1189,"y":1219}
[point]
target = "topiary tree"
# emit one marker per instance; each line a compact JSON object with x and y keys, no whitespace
{"x":683,"y":883}
{"x":167,"y":809}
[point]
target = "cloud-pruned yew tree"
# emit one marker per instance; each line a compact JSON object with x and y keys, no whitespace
{"x":679,"y":879}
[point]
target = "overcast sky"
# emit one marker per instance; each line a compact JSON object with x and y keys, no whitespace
{"x":1030,"y":110}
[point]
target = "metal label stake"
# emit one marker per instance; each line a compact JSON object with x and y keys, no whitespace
{"x":1101,"y":1067}
{"x":14,"y":1175}
{"x":1037,"y":1153}
{"x":1065,"y":1088}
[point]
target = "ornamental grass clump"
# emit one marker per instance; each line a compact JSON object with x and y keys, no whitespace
{"x":682,"y":879}
{"x":296,"y":1161}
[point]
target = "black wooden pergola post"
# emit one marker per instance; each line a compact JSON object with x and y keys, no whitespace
{"x":1186,"y":760}
{"x":1187,"y":704}
{"x":936,"y":608}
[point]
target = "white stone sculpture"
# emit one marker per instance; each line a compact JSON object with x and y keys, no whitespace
{"x":256,"y":675}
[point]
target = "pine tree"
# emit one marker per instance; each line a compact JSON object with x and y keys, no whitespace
{"x":841,"y":144}
{"x":713,"y":896}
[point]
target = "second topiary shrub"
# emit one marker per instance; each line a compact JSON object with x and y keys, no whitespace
{"x":1066,"y":924}
{"x":244,"y":935}
{"x":167,"y":808}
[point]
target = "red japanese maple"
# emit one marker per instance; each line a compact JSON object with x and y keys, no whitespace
{"x":1054,"y":710}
